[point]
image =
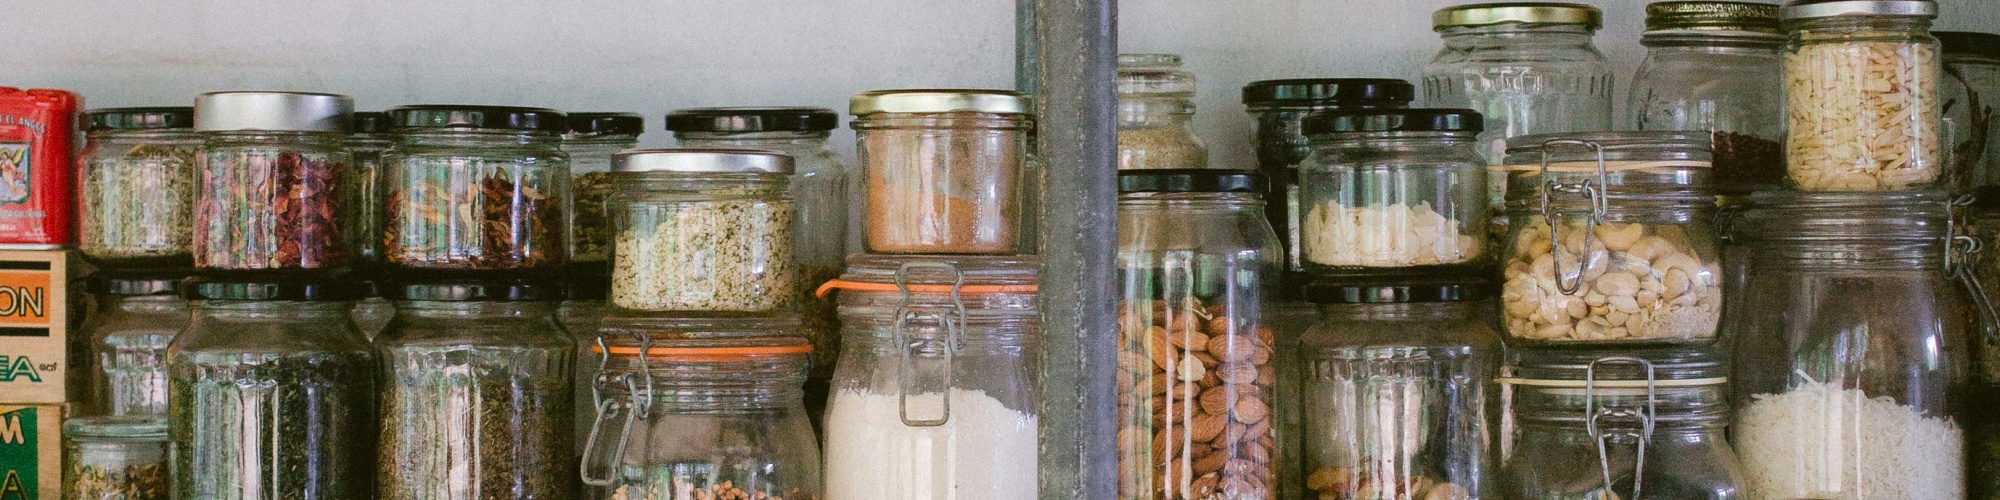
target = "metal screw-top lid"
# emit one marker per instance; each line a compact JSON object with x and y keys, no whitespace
{"x":1487,"y":14}
{"x":452,"y":116}
{"x":606,"y":123}
{"x":1393,"y":120}
{"x":116,"y":428}
{"x":148,"y":118}
{"x":1714,"y":16}
{"x":1005,"y":102}
{"x":1815,"y":9}
{"x":272,"y":111}
{"x":778,"y":119}
{"x":716,"y":160}
{"x":371,"y":122}
{"x":1153,"y":74}
{"x":1332,"y":92}
{"x":1969,"y":43}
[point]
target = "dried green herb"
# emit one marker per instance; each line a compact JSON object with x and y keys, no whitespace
{"x":251,"y":425}
{"x":447,"y":214}
{"x":94,"y":481}
{"x":718,"y":255}
{"x":476,"y":422}
{"x":140,"y":204}
{"x":592,"y":229}
{"x":268,"y":209}
{"x":820,"y":318}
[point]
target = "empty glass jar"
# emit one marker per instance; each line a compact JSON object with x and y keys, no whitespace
{"x":947,"y":171}
{"x":273,"y":181}
{"x":1971,"y":94}
{"x":115,"y":458}
{"x":702,"y":230}
{"x":369,"y":139}
{"x":1716,"y":67}
{"x":1156,"y":114}
{"x":1279,"y":106}
{"x":135,"y":318}
{"x":1861,"y":96}
{"x":1393,"y":191}
{"x":1528,"y":68}
{"x":137,"y":193}
{"x":590,"y":142}
{"x":476,"y":188}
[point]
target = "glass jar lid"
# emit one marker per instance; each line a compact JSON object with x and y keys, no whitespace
{"x":1799,"y":10}
{"x":148,"y":118}
{"x":371,"y":122}
{"x":1873,"y":216}
{"x":1397,"y":291}
{"x":1330,"y":92}
{"x":1190,"y":180}
{"x":1153,"y":74}
{"x":116,"y":428}
{"x":272,"y":286}
{"x":134,"y":283}
{"x":476,"y":290}
{"x":1487,"y":14}
{"x":1703,"y":16}
{"x":1393,"y":120}
{"x":272,"y":111}
{"x":1970,"y":43}
{"x":426,"y":117}
{"x":702,"y":160}
{"x":1668,"y":166}
{"x":591,"y":124}
{"x":759,"y":119}
{"x":1003,"y":102}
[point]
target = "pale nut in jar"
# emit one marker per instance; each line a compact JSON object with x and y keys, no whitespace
{"x":1638,"y":283}
{"x":1193,"y":392}
{"x":1863,"y":116}
{"x":1352,"y":483}
{"x":1391,"y":235}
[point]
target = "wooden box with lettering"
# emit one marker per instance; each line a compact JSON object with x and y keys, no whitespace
{"x":31,"y":452}
{"x":34,"y":324}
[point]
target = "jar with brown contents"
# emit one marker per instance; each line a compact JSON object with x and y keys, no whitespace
{"x":946,"y":170}
{"x":476,"y":188}
{"x":272,"y":181}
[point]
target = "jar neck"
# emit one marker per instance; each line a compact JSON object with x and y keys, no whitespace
{"x":1154,"y":111}
{"x":477,"y":138}
{"x":1845,"y":254}
{"x":1406,"y":311}
{"x":1202,"y":202}
{"x":952,"y":120}
{"x":145,"y":304}
{"x":441,"y":309}
{"x":1716,"y":42}
{"x":747,"y":184}
{"x":273,"y":309}
{"x":1517,"y":35}
{"x":705,"y":387}
{"x":1396,"y":141}
{"x":1805,"y":30}
{"x":779,"y":140}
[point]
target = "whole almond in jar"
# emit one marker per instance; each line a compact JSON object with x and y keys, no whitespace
{"x":1861,"y":95}
{"x":945,"y":170}
{"x":702,"y":230}
{"x":273,"y":181}
{"x":1612,"y":241}
{"x":476,"y":188}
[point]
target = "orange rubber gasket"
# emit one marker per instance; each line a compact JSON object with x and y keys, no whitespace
{"x":830,"y":286}
{"x":707,"y":351}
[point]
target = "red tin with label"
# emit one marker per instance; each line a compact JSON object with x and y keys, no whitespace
{"x":37,"y":199}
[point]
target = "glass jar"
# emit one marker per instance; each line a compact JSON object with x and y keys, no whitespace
{"x":1861,"y":94}
{"x":1852,"y":343}
{"x":1613,"y":240}
{"x":702,"y":230}
{"x":1716,"y":67}
{"x":1279,"y":107}
{"x":135,"y":318}
{"x":476,"y":188}
{"x":476,"y":392}
{"x":1156,"y":114}
{"x":137,"y":195}
{"x":272,"y":391}
{"x":592,"y":139}
{"x":1971,"y":94}
{"x":1982,"y":427}
{"x":1647,"y":423}
{"x":946,"y":170}
{"x":1393,"y":191}
{"x":1197,"y":350}
{"x":1396,"y":391}
{"x":115,"y":458}
{"x":935,"y":397}
{"x":583,"y":310}
{"x":724,"y":419}
{"x":368,"y":140}
{"x":274,"y":169}
{"x":1528,"y":68}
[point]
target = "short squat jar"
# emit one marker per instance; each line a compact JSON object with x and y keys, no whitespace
{"x":590,"y":142}
{"x":1280,"y":108}
{"x":476,"y":188}
{"x":702,"y":230}
{"x":946,"y":171}
{"x":1715,"y":66}
{"x":1861,"y":96}
{"x":1394,"y":191}
{"x":1156,"y":114}
{"x":273,"y":181}
{"x":115,"y":458}
{"x":137,"y":194}
{"x":135,"y":318}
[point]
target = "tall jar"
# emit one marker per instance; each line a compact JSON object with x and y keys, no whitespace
{"x":1613,"y":241}
{"x":1394,"y":191}
{"x":1851,"y":375}
{"x":1528,"y":68}
{"x":1861,"y":96}
{"x":1397,"y":391}
{"x":475,"y":398}
{"x":1279,"y":106}
{"x":1982,"y":427}
{"x":137,"y":193}
{"x":1971,"y":94}
{"x":273,"y":181}
{"x":1716,"y":67}
{"x":590,"y":142}
{"x":1197,"y":355}
{"x":272,"y":391}
{"x":115,"y":458}
{"x":702,"y":418}
{"x":476,"y":188}
{"x":702,"y":230}
{"x":1156,"y":114}
{"x":947,"y":171}
{"x":1647,"y":423}
{"x":369,"y":139}
{"x":134,"y":318}
{"x":935,"y":396}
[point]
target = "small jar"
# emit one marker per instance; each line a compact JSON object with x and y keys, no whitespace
{"x":369,"y":139}
{"x":935,"y":394}
{"x":1393,"y":191}
{"x":273,"y":181}
{"x":1528,"y":68}
{"x":702,"y":230}
{"x":946,"y":170}
{"x":137,"y":195}
{"x":135,"y":318}
{"x":476,"y":188}
{"x":592,"y":139}
{"x":1971,"y":94}
{"x":115,"y":458}
{"x":1716,"y":67}
{"x":1861,"y":96}
{"x":1280,"y":107}
{"x":1397,"y":386}
{"x":1613,"y":240}
{"x":1156,"y":114}
{"x":1644,"y":424}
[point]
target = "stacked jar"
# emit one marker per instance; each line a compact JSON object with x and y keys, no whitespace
{"x":1156,"y":114}
{"x":591,"y":141}
{"x":1280,"y":108}
{"x":137,"y":193}
{"x":1861,"y":96}
{"x":1971,"y":94}
{"x":370,"y":138}
{"x":1715,"y":67}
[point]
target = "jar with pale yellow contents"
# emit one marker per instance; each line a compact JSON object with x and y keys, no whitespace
{"x":1393,"y":192}
{"x":1861,"y":96}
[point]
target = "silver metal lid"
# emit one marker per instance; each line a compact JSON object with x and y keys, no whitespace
{"x":749,"y":161}
{"x":941,"y":101}
{"x":1813,"y":9}
{"x":272,"y":111}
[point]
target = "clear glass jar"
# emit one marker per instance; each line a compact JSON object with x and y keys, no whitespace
{"x":274,"y":169}
{"x":1613,"y":241}
{"x":137,"y":193}
{"x":1861,"y":96}
{"x":115,"y":458}
{"x":1528,"y":68}
{"x":935,"y":397}
{"x":1647,"y":423}
{"x":1280,"y":107}
{"x":582,"y":312}
{"x":1156,"y":114}
{"x":592,"y":139}
{"x":1717,"y":67}
{"x":369,"y":139}
{"x":476,"y":188}
{"x":702,"y":230}
{"x":135,"y":318}
{"x":476,"y":392}
{"x":1394,"y":191}
{"x":1982,"y":425}
{"x":1196,"y":349}
{"x":1397,"y":391}
{"x":1971,"y":96}
{"x":947,"y":171}
{"x":1851,"y":345}
{"x":725,"y":419}
{"x":272,"y":392}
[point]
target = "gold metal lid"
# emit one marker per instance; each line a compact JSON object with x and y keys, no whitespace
{"x":1715,"y":16}
{"x":941,"y":101}
{"x":1518,"y":12}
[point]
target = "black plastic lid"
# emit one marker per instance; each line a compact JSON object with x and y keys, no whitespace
{"x":134,"y":283}
{"x":1338,"y":92}
{"x":753,"y":120}
{"x":477,"y":290}
{"x":607,"y":123}
{"x":371,"y":122}
{"x":478,"y":117}
{"x":1969,"y":43}
{"x":589,"y":281}
{"x":1191,"y":180}
{"x":1393,"y":120}
{"x":149,"y":118}
{"x":1378,"y":291}
{"x":273,"y":287}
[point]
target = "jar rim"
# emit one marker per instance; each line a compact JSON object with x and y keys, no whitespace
{"x":123,"y":427}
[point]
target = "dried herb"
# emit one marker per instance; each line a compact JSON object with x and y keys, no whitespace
{"x":592,"y":229}
{"x":253,"y":425}
{"x":94,"y":481}
{"x":720,"y":255}
{"x":139,"y":204}
{"x":1746,"y":163}
{"x":478,"y":421}
{"x":684,"y":489}
{"x":265,"y":209}
{"x":443,"y":215}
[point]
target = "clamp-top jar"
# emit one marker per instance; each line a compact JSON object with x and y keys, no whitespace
{"x":1971,"y":94}
{"x":702,"y":230}
{"x":1715,"y":66}
{"x":137,"y":195}
{"x":1861,"y":96}
{"x":476,"y":188}
{"x":273,"y":181}
{"x":1529,"y":68}
{"x":1393,"y":191}
{"x":1279,"y":107}
{"x":590,"y":142}
{"x":1156,"y":114}
{"x":947,"y":171}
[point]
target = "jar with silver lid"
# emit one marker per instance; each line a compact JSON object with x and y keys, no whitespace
{"x":702,"y":230}
{"x":273,"y":181}
{"x":1528,"y":67}
{"x":1861,"y":96}
{"x":947,"y":171}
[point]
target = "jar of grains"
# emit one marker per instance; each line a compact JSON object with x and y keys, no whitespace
{"x":1279,"y":106}
{"x":1156,"y":114}
{"x":475,"y":398}
{"x":1613,"y":240}
{"x":136,"y":203}
{"x":135,"y":316}
{"x":592,"y":139}
{"x":1861,"y":95}
{"x":114,"y":458}
{"x":935,"y":395}
{"x":1716,"y":67}
{"x":476,"y":188}
{"x":1394,"y":191}
{"x":702,"y":230}
{"x":946,"y":170}
{"x":273,"y":180}
{"x":1196,"y":364}
{"x":1970,"y":92}
{"x":702,"y":419}
{"x":1851,"y":377}
{"x":1527,"y":67}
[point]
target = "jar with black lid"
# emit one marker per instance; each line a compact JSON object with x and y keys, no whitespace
{"x":273,"y":183}
{"x":591,"y":140}
{"x":1394,"y":191}
{"x":134,"y":317}
{"x":476,"y":188}
{"x":114,"y":458}
{"x":1279,"y":107}
{"x":137,"y":193}
{"x":1716,"y":67}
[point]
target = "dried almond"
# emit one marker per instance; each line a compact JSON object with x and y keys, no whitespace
{"x":1329,"y":480}
{"x":1189,"y":340}
{"x":1250,"y":409}
{"x":1210,"y":463}
{"x":1238,"y":373}
{"x":1216,"y":401}
{"x":1160,"y":349}
{"x":1231,"y":347}
{"x":1265,"y":334}
{"x":1191,"y":369}
{"x":1183,"y":324}
{"x":1219,"y":325}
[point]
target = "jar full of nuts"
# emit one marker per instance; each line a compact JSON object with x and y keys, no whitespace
{"x":1394,"y":192}
{"x":1861,"y":96}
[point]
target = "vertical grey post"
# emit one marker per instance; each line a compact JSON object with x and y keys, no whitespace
{"x":1076,"y":60}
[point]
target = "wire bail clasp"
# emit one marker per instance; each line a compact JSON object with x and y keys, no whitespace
{"x":1645,"y":417}
{"x":639,"y":385}
{"x":1591,"y":189}
{"x":1961,"y":262}
{"x":912,"y":371}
